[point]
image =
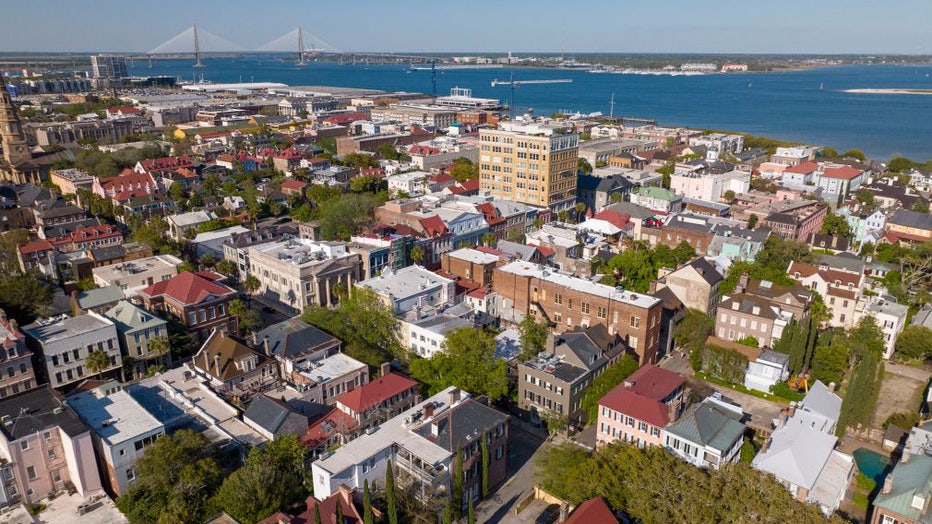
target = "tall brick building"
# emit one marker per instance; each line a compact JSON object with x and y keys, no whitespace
{"x":567,"y":302}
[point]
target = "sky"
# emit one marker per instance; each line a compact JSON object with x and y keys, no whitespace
{"x":618,"y":26}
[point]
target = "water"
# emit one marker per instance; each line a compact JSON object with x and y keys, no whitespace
{"x":872,"y":464}
{"x":785,"y":105}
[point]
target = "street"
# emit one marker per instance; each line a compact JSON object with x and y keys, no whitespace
{"x":524,"y":448}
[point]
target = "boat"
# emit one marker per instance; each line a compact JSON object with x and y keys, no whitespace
{"x":822,"y":86}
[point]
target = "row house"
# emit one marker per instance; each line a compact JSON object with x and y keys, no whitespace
{"x":297,"y":346}
{"x":89,"y":237}
{"x":232,"y":368}
{"x":197,"y":300}
{"x":554,"y":382}
{"x":909,"y":226}
{"x":69,"y":181}
{"x":889,"y":316}
{"x":57,"y":213}
{"x":797,"y":224}
{"x":891,"y":193}
{"x":157,"y":166}
{"x":637,"y":410}
{"x":382,"y":248}
{"x":420,"y":445}
{"x":696,"y":284}
{"x":16,"y":368}
{"x":692,"y":229}
{"x":740,"y":315}
{"x":737,"y":244}
{"x":137,"y":328}
{"x":63,"y":344}
{"x":236,"y":247}
{"x":597,"y":192}
{"x":658,"y":199}
{"x":411,"y":288}
{"x":127,"y":181}
{"x":709,"y":186}
{"x":840,"y":290}
{"x":611,"y":225}
{"x":566,"y":302}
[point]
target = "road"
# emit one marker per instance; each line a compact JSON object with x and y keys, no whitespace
{"x":524,"y":448}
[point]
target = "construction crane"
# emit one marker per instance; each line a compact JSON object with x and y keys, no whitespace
{"x":514,"y":84}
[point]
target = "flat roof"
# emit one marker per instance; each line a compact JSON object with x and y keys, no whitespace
{"x":302,"y":251}
{"x":332,"y":367}
{"x":64,"y":327}
{"x":135,"y":267}
{"x":549,"y":274}
{"x":116,"y":417}
{"x":405,"y":282}
{"x":475,"y":256}
{"x":393,"y":432}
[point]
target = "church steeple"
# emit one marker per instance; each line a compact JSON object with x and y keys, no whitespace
{"x":15,"y":148}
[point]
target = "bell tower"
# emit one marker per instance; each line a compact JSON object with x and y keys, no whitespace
{"x":15,"y":149}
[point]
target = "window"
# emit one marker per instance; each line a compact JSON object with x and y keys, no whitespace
{"x":192,"y":318}
{"x":54,"y":360}
{"x":24,"y":445}
{"x":601,"y":312}
{"x":584,"y":307}
{"x":51,"y":453}
{"x":47,"y":436}
{"x":635,"y":321}
{"x":130,"y":474}
{"x":557,"y":298}
{"x":31,"y":472}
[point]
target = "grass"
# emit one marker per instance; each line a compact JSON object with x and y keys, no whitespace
{"x":741,"y":388}
{"x":860,"y":499}
{"x":866,"y":483}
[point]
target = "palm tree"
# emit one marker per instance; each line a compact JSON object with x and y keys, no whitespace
{"x":580,"y":209}
{"x":158,"y":346}
{"x":226,"y":267}
{"x":489,"y":239}
{"x":417,"y":254}
{"x":251,"y":284}
{"x":97,"y":361}
{"x":562,"y":215}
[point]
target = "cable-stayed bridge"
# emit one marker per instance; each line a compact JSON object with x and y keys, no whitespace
{"x":196,"y":41}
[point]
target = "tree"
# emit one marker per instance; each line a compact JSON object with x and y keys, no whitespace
{"x":417,"y":254}
{"x":692,"y":333}
{"x":367,"y":184}
{"x":251,"y":284}
{"x":24,"y":296}
{"x":176,"y":479}
{"x":366,"y":324}
{"x":914,"y":343}
{"x":533,"y":336}
{"x":489,"y":239}
{"x":749,"y":341}
{"x":899,"y":164}
{"x":866,"y":197}
{"x":159,"y":346}
{"x":97,"y":361}
{"x":360,"y":161}
{"x":752,"y":221}
{"x":602,"y":384}
{"x":654,"y":486}
{"x":854,"y":153}
{"x":464,"y":170}
{"x":467,"y":361}
{"x":562,"y":215}
{"x":684,"y":252}
{"x":248,"y":319}
{"x":87,"y":284}
{"x":729,"y":196}
{"x":484,"y":483}
{"x":457,"y":484}
{"x":829,"y":152}
{"x":391,"y":505}
{"x":226,"y":267}
{"x":580,"y":210}
{"x":338,"y":513}
{"x":583,"y":165}
{"x":273,"y":478}
{"x":207,"y":260}
{"x":317,"y":514}
{"x":471,"y":514}
{"x":633,"y":269}
{"x":835,"y":225}
{"x":387,"y":151}
{"x":368,"y":517}
{"x":347,"y":215}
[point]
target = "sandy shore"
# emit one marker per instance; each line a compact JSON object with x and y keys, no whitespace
{"x":890,"y":91}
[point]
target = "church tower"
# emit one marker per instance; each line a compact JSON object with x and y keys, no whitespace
{"x":15,"y":148}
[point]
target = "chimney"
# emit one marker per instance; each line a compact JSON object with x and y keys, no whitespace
{"x":743,"y":282}
{"x":887,"y":485}
{"x":564,"y":512}
{"x":831,"y":387}
{"x":265,"y":346}
{"x":385,"y":369}
{"x":428,"y":410}
{"x":792,"y":409}
{"x":454,"y":396}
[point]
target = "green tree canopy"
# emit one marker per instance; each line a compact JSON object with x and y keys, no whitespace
{"x":855,"y":153}
{"x":468,"y":362}
{"x":273,"y":478}
{"x":25,"y":296}
{"x":533,"y":336}
{"x":464,"y":171}
{"x":602,"y":384}
{"x":178,"y":475}
{"x":835,"y":225}
{"x":364,"y":322}
{"x":914,"y":343}
{"x":346,"y":215}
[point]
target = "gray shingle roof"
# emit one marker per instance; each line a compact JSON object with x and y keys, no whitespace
{"x":93,"y":298}
{"x":295,"y":337}
{"x":905,"y":217}
{"x":267,"y":413}
{"x":34,"y":411}
{"x":463,"y":424}
{"x":710,"y":425}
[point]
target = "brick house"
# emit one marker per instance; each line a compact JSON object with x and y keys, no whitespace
{"x":196,"y":300}
{"x":638,"y":409}
{"x":567,"y":302}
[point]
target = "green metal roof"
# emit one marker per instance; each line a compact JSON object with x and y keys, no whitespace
{"x":910,"y":478}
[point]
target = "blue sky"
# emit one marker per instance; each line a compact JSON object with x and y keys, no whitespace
{"x":726,"y":26}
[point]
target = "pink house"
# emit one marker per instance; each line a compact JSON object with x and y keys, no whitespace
{"x":128,"y":180}
{"x":48,"y":450}
{"x":637,"y":409}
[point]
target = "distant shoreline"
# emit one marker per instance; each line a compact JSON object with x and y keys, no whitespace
{"x":890,"y":91}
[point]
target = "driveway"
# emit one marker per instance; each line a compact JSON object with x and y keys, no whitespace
{"x":762,"y":411}
{"x":523,"y":449}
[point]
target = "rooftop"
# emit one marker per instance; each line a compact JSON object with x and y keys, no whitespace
{"x":188,"y":288}
{"x":116,"y":417}
{"x":56,"y":329}
{"x":332,"y":367}
{"x":115,"y":272}
{"x":295,"y":337}
{"x":578,"y":284}
{"x":37,"y":410}
{"x":302,"y":252}
{"x":473,"y":256}
{"x":374,"y":393}
{"x":405,"y":282}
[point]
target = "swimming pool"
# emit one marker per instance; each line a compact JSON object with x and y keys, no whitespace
{"x":872,"y":464}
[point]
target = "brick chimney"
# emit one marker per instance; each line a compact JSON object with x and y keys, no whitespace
{"x":564,"y":512}
{"x":428,"y":410}
{"x":887,"y":485}
{"x":265,"y":346}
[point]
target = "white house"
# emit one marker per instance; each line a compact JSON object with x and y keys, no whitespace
{"x":411,"y":287}
{"x":890,"y":317}
{"x":412,"y":183}
{"x":769,"y":368}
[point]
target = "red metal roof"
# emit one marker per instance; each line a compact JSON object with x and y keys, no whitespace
{"x":166,"y":163}
{"x":335,"y":421}
{"x":433,"y":225}
{"x":614,"y":218}
{"x":296,"y":185}
{"x":374,"y":393}
{"x":843,"y":172}
{"x":803,"y":168}
{"x":35,"y":246}
{"x":641,"y":395}
{"x":187,"y":288}
{"x":592,"y":511}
